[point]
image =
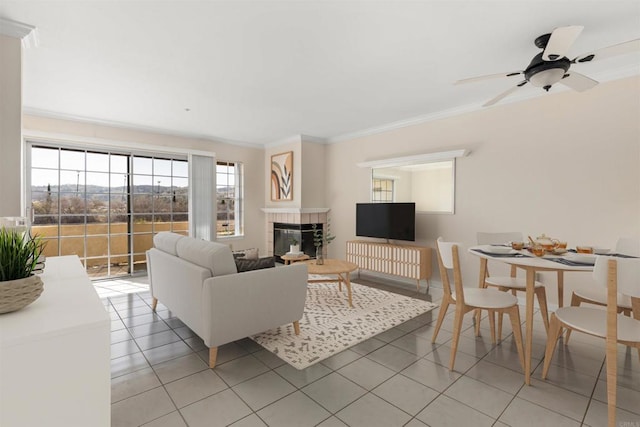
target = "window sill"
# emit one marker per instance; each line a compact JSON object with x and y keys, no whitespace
{"x":234,"y":237}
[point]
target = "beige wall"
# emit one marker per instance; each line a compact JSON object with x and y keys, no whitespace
{"x":565,"y":164}
{"x":10,"y":126}
{"x":252,"y":158}
{"x":313,"y":175}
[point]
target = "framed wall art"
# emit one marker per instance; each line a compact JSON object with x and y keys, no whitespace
{"x":282,"y":177}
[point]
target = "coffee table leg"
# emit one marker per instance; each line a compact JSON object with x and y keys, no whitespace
{"x":347,"y":282}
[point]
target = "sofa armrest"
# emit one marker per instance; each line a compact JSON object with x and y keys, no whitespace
{"x":240,"y":305}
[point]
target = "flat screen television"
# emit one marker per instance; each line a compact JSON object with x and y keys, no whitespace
{"x":393,"y":221}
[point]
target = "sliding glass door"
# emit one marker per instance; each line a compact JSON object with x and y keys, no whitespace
{"x":105,"y":206}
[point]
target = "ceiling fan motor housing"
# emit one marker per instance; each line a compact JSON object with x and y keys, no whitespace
{"x":544,"y":74}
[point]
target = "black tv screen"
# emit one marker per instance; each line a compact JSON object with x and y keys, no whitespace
{"x":394,"y":221}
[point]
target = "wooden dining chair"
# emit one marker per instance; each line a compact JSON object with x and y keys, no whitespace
{"x":470,"y":299}
{"x":510,"y":283}
{"x":615,"y":275}
{"x":598,"y":296}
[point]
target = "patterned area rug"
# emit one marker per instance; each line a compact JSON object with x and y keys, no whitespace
{"x":329,"y":325}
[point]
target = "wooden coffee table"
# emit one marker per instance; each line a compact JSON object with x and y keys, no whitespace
{"x":333,"y":266}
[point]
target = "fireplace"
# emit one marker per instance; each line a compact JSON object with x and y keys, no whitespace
{"x":283,"y":233}
{"x":295,"y":220}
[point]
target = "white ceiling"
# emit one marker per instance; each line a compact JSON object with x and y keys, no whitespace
{"x":259,"y":72}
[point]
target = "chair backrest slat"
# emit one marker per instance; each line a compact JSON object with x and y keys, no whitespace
{"x":449,"y":259}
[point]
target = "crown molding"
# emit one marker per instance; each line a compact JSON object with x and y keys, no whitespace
{"x":132,"y":127}
{"x":430,"y":117}
{"x":296,"y":139}
{"x":28,"y":34}
{"x":82,"y":141}
{"x":313,"y":139}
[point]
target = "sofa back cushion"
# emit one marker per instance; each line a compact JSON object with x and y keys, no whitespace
{"x":166,"y":242}
{"x":215,"y":256}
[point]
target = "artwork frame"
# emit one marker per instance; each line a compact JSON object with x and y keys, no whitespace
{"x":282,"y":177}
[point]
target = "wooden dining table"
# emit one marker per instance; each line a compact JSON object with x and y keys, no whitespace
{"x":531,"y":265}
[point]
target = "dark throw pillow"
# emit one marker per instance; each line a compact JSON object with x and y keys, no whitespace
{"x":244,"y":264}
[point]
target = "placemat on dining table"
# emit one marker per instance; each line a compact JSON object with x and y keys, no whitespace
{"x":516,"y":255}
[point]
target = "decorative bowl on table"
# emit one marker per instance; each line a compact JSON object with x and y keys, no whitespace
{"x":498,"y":250}
{"x":589,"y":259}
{"x":601,"y":251}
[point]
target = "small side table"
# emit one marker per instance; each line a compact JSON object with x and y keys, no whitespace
{"x":288,"y":259}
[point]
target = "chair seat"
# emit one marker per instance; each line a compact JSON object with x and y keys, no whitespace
{"x":487,"y":298}
{"x":509,"y":282}
{"x":599,"y":296}
{"x":594,"y":321}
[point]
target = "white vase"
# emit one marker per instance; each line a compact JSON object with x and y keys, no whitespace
{"x":294,"y":249}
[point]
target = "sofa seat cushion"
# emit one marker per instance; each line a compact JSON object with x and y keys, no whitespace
{"x":254,"y":264}
{"x":166,"y":242}
{"x":215,"y":256}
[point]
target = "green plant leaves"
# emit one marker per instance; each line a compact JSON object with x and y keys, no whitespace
{"x":19,"y":254}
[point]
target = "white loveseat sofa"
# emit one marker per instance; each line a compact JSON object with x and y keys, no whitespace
{"x":198,"y":281}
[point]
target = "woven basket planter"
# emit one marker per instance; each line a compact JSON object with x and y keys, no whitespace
{"x":17,"y":294}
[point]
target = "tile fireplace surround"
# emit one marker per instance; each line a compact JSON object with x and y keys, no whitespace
{"x":293,"y":216}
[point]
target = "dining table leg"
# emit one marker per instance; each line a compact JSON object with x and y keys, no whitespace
{"x":531,"y":273}
{"x":560,"y":288}
{"x":481,"y":284}
{"x":483,"y":272}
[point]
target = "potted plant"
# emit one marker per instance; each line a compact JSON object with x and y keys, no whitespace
{"x":294,"y":245}
{"x":19,"y":255}
{"x":321,"y":239}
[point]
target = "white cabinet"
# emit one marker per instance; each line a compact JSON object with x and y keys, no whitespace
{"x":413,"y":262}
{"x":55,"y":354}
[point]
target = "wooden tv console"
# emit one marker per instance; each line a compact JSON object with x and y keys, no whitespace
{"x":412,"y":262}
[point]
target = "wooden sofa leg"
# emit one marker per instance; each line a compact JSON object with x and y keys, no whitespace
{"x":154,"y":303}
{"x":296,"y":327}
{"x":213,"y":355}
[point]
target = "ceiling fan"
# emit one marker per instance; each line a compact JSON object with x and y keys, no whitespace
{"x":551,"y":66}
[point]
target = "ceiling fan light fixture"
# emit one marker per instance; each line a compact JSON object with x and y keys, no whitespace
{"x":546,"y":78}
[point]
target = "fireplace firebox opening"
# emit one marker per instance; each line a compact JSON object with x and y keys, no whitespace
{"x":283,"y":234}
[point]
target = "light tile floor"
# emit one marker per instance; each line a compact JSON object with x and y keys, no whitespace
{"x":160,"y":376}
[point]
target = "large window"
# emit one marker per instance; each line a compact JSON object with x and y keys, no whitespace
{"x":105,"y":206}
{"x":229,"y":199}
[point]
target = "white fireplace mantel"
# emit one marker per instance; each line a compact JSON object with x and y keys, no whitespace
{"x":295,"y":210}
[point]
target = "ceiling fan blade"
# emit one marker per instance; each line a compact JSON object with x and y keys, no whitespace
{"x":607,"y":52}
{"x":561,"y":40}
{"x":578,"y":82}
{"x":504,"y":94}
{"x":488,"y":77}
